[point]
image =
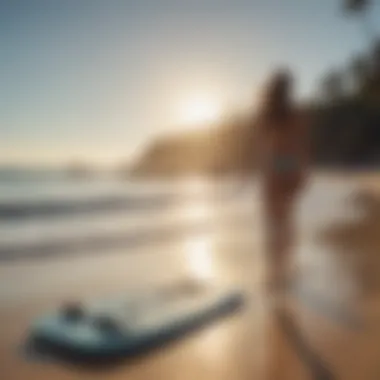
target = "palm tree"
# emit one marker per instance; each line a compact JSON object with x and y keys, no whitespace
{"x":375,"y":83}
{"x":359,"y":72}
{"x":360,"y":7}
{"x":376,"y":56}
{"x":332,"y":87}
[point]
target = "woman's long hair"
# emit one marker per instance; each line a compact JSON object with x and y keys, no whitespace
{"x":277,"y":104}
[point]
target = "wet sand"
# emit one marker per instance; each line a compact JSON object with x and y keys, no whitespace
{"x":327,"y":331}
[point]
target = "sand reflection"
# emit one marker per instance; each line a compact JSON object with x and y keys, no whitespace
{"x":199,"y":258}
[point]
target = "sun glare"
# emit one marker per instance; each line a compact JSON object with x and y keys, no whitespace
{"x":198,"y":111}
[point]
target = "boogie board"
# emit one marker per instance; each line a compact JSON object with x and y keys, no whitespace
{"x":129,"y":324}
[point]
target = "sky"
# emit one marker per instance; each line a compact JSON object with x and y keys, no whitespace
{"x":97,"y":80}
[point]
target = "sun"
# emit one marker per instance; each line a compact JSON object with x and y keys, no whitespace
{"x":199,"y":111}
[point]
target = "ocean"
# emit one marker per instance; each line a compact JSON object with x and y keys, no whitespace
{"x":47,"y":213}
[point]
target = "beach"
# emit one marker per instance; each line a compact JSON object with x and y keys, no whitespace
{"x":329,"y":328}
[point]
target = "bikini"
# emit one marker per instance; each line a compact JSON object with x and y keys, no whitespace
{"x":284,"y":164}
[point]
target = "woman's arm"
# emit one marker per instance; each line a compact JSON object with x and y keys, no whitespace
{"x":305,"y":146}
{"x":258,"y":146}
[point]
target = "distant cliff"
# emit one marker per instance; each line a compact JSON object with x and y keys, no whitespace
{"x":214,"y":151}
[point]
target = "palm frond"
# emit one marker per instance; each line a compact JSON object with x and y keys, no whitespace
{"x":356,"y":5}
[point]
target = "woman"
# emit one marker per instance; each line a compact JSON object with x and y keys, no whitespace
{"x":282,"y":142}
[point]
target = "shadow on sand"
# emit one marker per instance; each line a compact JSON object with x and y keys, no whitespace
{"x":311,"y":359}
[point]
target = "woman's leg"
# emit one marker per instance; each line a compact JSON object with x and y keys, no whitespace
{"x":288,"y":237}
{"x":280,"y":236}
{"x":274,"y":242}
